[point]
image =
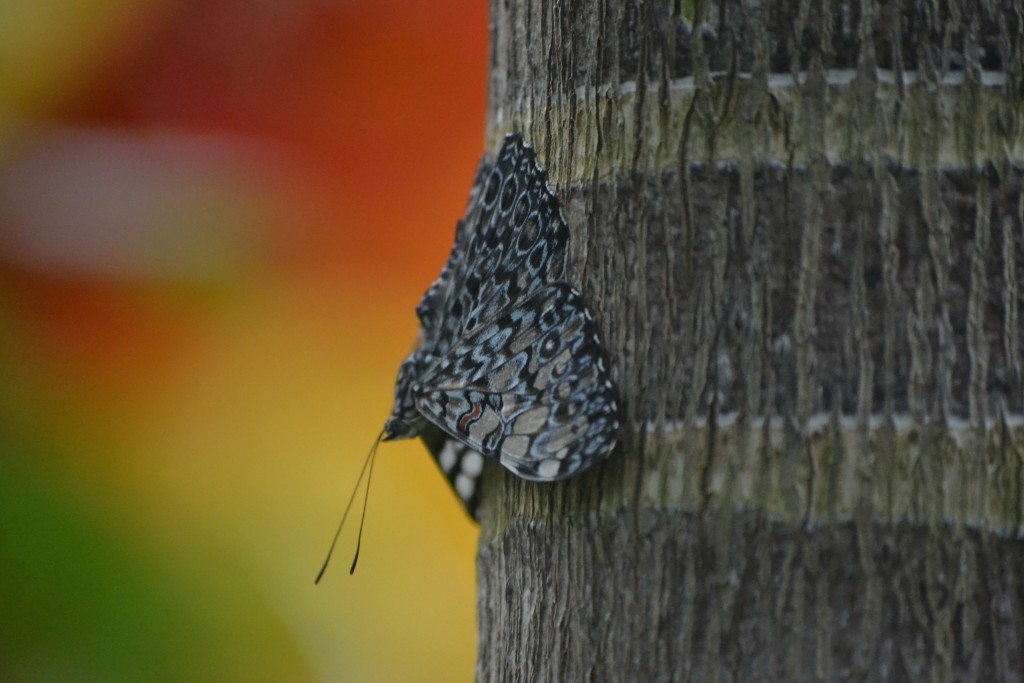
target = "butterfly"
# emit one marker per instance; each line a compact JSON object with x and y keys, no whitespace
{"x":510,"y":368}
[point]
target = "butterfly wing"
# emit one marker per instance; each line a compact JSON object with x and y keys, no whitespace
{"x":528,"y":388}
{"x":431,"y":308}
{"x":513,"y":242}
{"x":460,"y":464}
{"x":435,"y":310}
{"x":511,"y":368}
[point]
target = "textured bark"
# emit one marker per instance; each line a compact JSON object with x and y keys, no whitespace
{"x":801,"y":227}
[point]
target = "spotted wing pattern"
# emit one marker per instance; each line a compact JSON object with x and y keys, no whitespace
{"x":528,"y":389}
{"x":511,"y":368}
{"x":460,"y":464}
{"x":513,"y":241}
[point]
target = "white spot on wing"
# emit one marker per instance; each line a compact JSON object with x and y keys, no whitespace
{"x":448,"y":456}
{"x":465,"y":486}
{"x":548,"y":469}
{"x":472,"y":463}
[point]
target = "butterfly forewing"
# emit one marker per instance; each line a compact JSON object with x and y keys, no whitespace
{"x":515,"y":240}
{"x":436,"y":326}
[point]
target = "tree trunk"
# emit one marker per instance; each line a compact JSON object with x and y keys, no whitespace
{"x":801,"y":227}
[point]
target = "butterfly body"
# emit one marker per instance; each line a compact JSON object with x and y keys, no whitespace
{"x":510,"y":368}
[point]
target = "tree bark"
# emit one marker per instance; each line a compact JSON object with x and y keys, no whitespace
{"x":801,"y":227}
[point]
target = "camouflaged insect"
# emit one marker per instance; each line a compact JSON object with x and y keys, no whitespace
{"x":510,"y":367}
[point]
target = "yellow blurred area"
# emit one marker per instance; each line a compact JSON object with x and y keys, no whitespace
{"x":211,"y":247}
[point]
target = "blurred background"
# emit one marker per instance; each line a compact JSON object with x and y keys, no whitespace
{"x":216,"y":219}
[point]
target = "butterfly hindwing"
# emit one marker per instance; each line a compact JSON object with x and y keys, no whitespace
{"x":529,"y":388}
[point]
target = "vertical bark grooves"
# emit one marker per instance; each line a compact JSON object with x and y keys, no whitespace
{"x":801,"y":227}
{"x":791,"y":614}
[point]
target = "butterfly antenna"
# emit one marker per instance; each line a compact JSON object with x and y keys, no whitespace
{"x":367,"y":463}
{"x":366,"y":497}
